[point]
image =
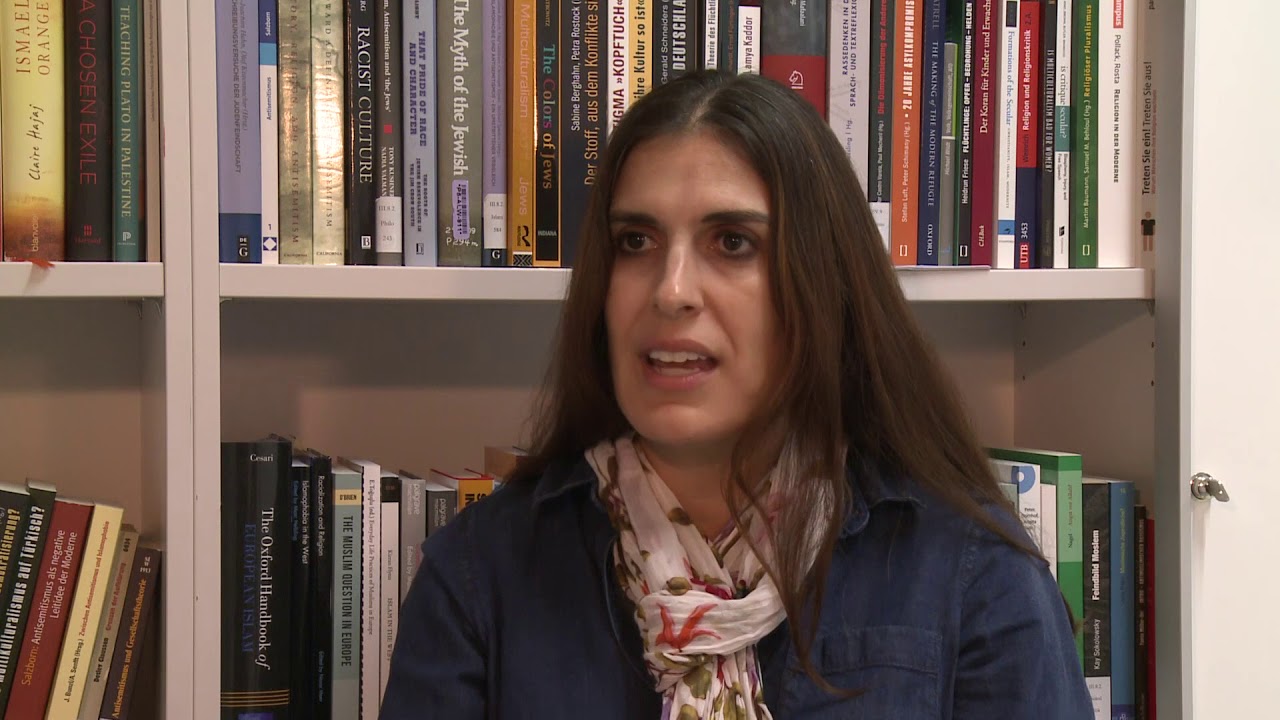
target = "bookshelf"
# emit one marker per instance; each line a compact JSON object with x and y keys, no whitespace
{"x":122,"y":380}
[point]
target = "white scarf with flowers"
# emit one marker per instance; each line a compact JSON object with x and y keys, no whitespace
{"x":701,"y":606}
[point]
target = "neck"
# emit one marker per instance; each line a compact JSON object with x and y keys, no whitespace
{"x":697,"y":478}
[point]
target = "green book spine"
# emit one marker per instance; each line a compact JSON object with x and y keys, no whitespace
{"x":1084,"y":130}
{"x":126,"y":198}
{"x":1065,"y":471}
{"x":347,"y":566}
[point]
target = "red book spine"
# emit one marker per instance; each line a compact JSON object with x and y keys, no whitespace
{"x":793,"y":48}
{"x":907,"y":94}
{"x":42,"y":638}
{"x":1027,"y":151}
{"x":983,"y":222}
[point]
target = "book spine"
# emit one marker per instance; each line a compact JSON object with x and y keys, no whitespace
{"x":302,"y":560}
{"x":269,"y":128}
{"x":361,"y":150}
{"x":109,"y":627}
{"x":965,"y":134}
{"x":89,"y":105}
{"x":45,"y":629}
{"x":370,"y":596}
{"x":1140,"y":704}
{"x":849,"y":39}
{"x":1097,"y":596}
{"x":546,"y":240}
{"x":139,"y":616}
{"x":420,"y":209}
{"x":1084,"y":135}
{"x":126,"y":197}
{"x":1046,"y":96}
{"x":32,"y":92}
{"x":930,"y":151}
{"x":460,"y":133}
{"x":880,"y":151}
{"x":748,"y":52}
{"x":494,"y":186}
{"x":389,"y":205}
{"x":986,"y":104}
{"x":413,"y":530}
{"x":580,"y":119}
{"x":1049,"y":526}
{"x":16,"y":609}
{"x":1147,"y":18}
{"x":296,"y":243}
{"x":102,"y":544}
{"x":710,"y":56}
{"x":1027,"y":161}
{"x":685,"y":34}
{"x":347,"y":596}
{"x":950,"y":123}
{"x":322,"y":586}
{"x":1007,"y":132}
{"x":793,"y":48}
{"x":1118,"y":147}
{"x":239,"y":145}
{"x":1063,"y":128}
{"x":256,"y":579}
{"x":660,"y":50}
{"x":152,"y":150}
{"x":619,"y":57}
{"x":906,"y":133}
{"x":727,"y":30}
{"x":1122,"y":600}
{"x":388,"y":576}
{"x":523,"y":128}
{"x":328,"y":50}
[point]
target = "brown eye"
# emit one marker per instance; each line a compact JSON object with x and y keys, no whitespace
{"x":733,"y":243}
{"x":632,"y":242}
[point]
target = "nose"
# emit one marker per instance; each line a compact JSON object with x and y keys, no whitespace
{"x":679,"y":289}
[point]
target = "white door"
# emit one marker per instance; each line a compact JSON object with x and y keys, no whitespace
{"x":1231,"y":349}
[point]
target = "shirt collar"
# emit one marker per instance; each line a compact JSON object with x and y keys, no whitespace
{"x":871,"y":488}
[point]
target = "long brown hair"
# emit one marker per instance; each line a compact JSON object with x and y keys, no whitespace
{"x":857,"y":379}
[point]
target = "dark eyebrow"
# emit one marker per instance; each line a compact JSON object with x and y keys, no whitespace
{"x":731,"y":217}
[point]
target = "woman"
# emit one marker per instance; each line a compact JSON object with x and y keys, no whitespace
{"x":752,"y":492}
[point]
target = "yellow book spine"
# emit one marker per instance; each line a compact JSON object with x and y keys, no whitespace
{"x":641,"y":53}
{"x":33,"y":118}
{"x":522,"y":130}
{"x":102,"y":543}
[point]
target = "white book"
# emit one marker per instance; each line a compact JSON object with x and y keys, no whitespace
{"x":1026,"y":478}
{"x":1117,"y":135}
{"x":849,"y":79}
{"x":1148,"y":15}
{"x":269,"y":127}
{"x":1049,"y":526}
{"x":1007,"y":139}
{"x":371,"y":586}
{"x":749,"y":39}
{"x":710,"y":32}
{"x":1062,"y":140}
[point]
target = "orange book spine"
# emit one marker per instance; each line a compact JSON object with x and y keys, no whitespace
{"x":522,"y":129}
{"x":904,"y":204}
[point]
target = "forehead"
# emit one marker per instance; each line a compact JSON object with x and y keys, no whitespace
{"x":690,"y":170}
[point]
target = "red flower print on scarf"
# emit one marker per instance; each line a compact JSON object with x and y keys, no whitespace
{"x":688,"y":632}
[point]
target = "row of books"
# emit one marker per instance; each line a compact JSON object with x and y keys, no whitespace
{"x":78,"y":592}
{"x":80,"y":140}
{"x":318,"y":552}
{"x":390,"y":132}
{"x":1098,"y":538}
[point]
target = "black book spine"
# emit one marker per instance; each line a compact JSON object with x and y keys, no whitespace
{"x":728,"y":36}
{"x":1142,"y":700}
{"x":256,"y":582}
{"x":661,"y":49}
{"x":21,"y":541}
{"x":88,"y":42}
{"x":964,"y":178}
{"x":302,"y":637}
{"x":1096,"y":517}
{"x":546,"y":244}
{"x":389,"y":245}
{"x":322,"y":583}
{"x":138,"y":618}
{"x":1048,"y":130}
{"x":361,"y":160}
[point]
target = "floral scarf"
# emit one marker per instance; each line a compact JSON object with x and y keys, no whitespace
{"x":701,"y":606}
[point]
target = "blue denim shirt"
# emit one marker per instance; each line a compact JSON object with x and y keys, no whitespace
{"x":514,"y":613}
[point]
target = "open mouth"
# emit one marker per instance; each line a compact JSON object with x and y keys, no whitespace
{"x":679,"y":363}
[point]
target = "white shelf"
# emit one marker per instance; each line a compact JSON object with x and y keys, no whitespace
{"x":343,"y":282}
{"x":303,"y":282}
{"x":82,"y":280}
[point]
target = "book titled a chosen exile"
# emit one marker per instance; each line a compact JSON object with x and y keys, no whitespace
{"x":256,"y":557}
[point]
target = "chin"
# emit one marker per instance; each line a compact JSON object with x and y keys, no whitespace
{"x":681,"y":427}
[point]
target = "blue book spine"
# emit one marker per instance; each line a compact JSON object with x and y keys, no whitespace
{"x":420,"y":202}
{"x":931,"y":134}
{"x":239,"y":142}
{"x":1123,"y":498}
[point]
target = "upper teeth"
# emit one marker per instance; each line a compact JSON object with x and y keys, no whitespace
{"x":674,"y":357}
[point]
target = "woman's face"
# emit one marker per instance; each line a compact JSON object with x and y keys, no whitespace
{"x":692,"y":331}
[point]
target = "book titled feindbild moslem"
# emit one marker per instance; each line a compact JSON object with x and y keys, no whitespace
{"x":256,"y":579}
